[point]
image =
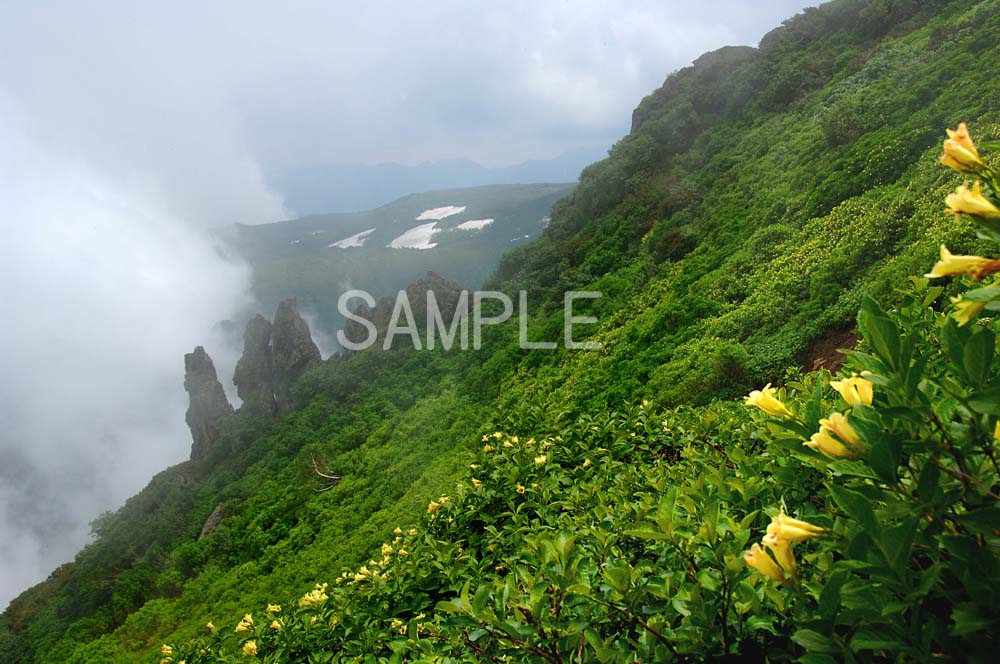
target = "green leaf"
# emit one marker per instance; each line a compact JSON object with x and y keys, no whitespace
{"x":986,"y":401}
{"x":978,"y":356}
{"x":880,"y":332}
{"x":854,"y":505}
{"x":814,"y":641}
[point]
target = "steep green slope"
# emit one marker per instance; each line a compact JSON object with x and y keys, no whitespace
{"x":759,"y":197}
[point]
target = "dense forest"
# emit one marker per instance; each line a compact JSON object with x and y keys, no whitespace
{"x":769,"y":207}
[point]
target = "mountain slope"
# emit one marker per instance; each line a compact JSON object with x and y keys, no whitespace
{"x":462,"y":232}
{"x":728,"y":239}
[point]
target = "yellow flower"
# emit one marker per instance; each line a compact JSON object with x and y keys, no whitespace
{"x":245,"y":624}
{"x":433,"y":506}
{"x":766,"y":401}
{"x":782,"y":550}
{"x":473,"y":466}
{"x":966,"y":310}
{"x":315,"y":596}
{"x":166,"y":650}
{"x":964,"y":201}
{"x":586,"y":463}
{"x":960,"y":152}
{"x":996,"y":432}
{"x":413,"y":532}
{"x":274,"y":608}
{"x":476,"y":484}
{"x":520,"y":488}
{"x":250,"y":648}
{"x":757,"y":558}
{"x":792,"y":530}
{"x":952,"y":265}
{"x":830,"y":446}
{"x":397,"y":531}
{"x":210,"y":627}
{"x":838,"y":425}
{"x":403,"y":552}
{"x":386,"y":549}
{"x":166,"y":660}
{"x":540,"y":460}
{"x":855,"y":390}
{"x":508,"y":444}
{"x":488,"y":448}
{"x":275,"y":624}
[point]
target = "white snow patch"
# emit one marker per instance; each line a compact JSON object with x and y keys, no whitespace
{"x":440,"y":212}
{"x":417,"y":238}
{"x":356,"y":240}
{"x":474,"y":224}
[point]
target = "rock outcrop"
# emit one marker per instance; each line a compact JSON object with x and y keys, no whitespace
{"x":254,"y":376}
{"x":208,"y":404}
{"x":213,"y":521}
{"x":293,"y":349}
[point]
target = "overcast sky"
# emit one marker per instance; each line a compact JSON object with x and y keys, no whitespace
{"x":127,"y":129}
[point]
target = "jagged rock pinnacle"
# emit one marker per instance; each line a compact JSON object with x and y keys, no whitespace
{"x":208,"y":404}
{"x":254,"y":376}
{"x":293,"y":349}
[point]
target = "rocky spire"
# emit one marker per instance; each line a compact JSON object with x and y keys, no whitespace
{"x":254,"y":376}
{"x":208,"y":403}
{"x":293,"y":347}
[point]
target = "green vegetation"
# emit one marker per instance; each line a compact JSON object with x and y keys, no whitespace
{"x":599,"y":504}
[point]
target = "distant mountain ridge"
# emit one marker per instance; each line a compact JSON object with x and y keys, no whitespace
{"x":357,"y":187}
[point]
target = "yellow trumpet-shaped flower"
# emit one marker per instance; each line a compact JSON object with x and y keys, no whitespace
{"x":966,"y":310}
{"x":765,"y":400}
{"x":971,"y":201}
{"x":386,"y":549}
{"x":245,"y":624}
{"x":838,"y":425}
{"x":210,"y":627}
{"x":315,"y":596}
{"x":855,"y":390}
{"x":830,"y":446}
{"x":276,"y":624}
{"x":433,"y":506}
{"x":960,"y":151}
{"x":757,"y":558}
{"x":996,"y":432}
{"x":520,"y":488}
{"x":397,"y":531}
{"x":476,"y":483}
{"x":166,"y":650}
{"x":792,"y":530}
{"x":540,"y":460}
{"x":782,"y":550}
{"x":250,"y":648}
{"x":951,"y":265}
{"x":274,"y":608}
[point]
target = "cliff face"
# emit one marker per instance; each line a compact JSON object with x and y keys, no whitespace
{"x":254,"y":376}
{"x":208,"y":405}
{"x":293,"y":350}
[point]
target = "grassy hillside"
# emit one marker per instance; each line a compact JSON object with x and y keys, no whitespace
{"x":560,"y":506}
{"x":296,"y":257}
